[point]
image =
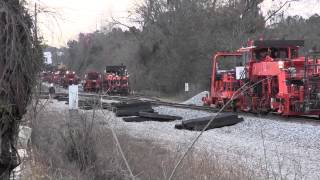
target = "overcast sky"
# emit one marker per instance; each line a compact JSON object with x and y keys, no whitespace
{"x":71,"y":17}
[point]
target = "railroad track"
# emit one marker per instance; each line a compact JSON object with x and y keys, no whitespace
{"x":298,"y":119}
{"x":157,"y":102}
{"x":185,"y":106}
{"x":153,"y":101}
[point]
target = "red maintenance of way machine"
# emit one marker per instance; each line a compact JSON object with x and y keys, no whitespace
{"x":267,"y":76}
{"x":116,"y":80}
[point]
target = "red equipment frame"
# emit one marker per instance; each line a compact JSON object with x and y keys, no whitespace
{"x":116,"y":80}
{"x":92,"y":82}
{"x":282,"y":82}
{"x":69,"y":78}
{"x":221,"y":89}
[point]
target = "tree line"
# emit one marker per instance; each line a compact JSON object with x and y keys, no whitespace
{"x":177,"y":38}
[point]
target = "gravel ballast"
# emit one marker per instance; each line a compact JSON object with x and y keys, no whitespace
{"x":276,"y":147}
{"x":197,"y":99}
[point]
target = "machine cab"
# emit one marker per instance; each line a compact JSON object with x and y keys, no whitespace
{"x":272,"y":50}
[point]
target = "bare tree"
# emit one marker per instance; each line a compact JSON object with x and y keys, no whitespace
{"x":19,"y":64}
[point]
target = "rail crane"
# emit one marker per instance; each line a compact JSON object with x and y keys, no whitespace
{"x":267,"y":76}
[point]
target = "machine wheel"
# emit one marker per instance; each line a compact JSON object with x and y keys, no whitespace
{"x":218,"y":105}
{"x":262,"y":110}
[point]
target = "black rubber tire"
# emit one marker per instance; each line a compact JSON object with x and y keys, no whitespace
{"x":226,"y":119}
{"x":132,"y":112}
{"x":159,"y":116}
{"x":135,"y":119}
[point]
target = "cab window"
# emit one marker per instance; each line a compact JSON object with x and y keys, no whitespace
{"x":294,"y":53}
{"x":260,"y":54}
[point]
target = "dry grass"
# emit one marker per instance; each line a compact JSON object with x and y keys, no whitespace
{"x":77,"y":147}
{"x":70,"y":145}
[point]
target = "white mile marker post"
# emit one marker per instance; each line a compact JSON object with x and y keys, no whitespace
{"x":73,"y":96}
{"x":186,"y":88}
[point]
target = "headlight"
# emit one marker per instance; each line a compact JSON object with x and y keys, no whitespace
{"x":280,"y":64}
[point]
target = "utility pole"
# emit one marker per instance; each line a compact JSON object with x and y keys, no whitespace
{"x":96,"y":23}
{"x":35,"y":22}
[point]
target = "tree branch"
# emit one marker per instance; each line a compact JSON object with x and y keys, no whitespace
{"x":120,"y":23}
{"x":276,"y":11}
